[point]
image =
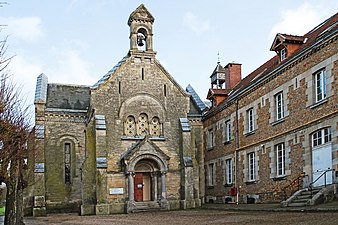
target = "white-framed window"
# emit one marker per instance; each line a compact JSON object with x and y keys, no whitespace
{"x":251,"y":120}
{"x":211,"y":174}
{"x":210,"y":139}
{"x":283,"y":54}
{"x":321,"y":137}
{"x":280,"y":159}
{"x":279,"y":105}
{"x":320,"y":85}
{"x":228,"y":171}
{"x":251,"y":166}
{"x":227,"y":131}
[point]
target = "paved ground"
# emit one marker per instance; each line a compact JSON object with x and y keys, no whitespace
{"x":261,"y":214}
{"x":195,"y":217}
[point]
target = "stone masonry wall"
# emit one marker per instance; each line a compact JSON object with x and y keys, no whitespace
{"x":152,"y":85}
{"x":61,"y":129}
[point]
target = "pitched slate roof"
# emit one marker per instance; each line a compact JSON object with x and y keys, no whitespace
{"x":109,"y":73}
{"x":41,"y":88}
{"x":196,"y":98}
{"x":62,"y":96}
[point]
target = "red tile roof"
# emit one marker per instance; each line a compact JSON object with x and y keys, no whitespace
{"x":328,"y":26}
{"x":325,"y":28}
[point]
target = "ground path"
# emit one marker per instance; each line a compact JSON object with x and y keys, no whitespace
{"x":194,"y":217}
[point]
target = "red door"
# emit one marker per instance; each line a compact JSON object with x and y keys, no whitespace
{"x":138,"y":187}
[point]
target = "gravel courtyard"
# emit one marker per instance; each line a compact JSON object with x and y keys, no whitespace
{"x":194,"y":217}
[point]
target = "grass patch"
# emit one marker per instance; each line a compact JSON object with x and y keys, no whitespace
{"x":2,"y":211}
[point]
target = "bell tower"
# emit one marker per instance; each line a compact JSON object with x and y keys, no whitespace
{"x":141,"y":30}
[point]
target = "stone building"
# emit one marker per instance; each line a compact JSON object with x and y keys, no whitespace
{"x":275,"y":131}
{"x":133,"y":141}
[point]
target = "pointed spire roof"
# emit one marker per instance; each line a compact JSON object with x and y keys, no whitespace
{"x":141,"y":14}
{"x":219,"y":69}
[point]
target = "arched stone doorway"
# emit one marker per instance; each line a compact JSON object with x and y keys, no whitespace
{"x":146,"y":166}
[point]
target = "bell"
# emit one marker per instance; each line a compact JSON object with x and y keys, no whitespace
{"x":140,"y":39}
{"x":140,"y":42}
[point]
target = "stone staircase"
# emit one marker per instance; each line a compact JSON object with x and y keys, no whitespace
{"x":304,"y":197}
{"x":147,"y":206}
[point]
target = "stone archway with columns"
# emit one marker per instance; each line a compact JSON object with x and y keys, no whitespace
{"x":149,"y":160}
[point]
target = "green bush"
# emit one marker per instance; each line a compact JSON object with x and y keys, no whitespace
{"x":2,"y":211}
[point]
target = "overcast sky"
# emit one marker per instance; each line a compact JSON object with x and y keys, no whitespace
{"x":78,"y":41}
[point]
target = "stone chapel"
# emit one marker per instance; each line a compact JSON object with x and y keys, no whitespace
{"x":131,"y":142}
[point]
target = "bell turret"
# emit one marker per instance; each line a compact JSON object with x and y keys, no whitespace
{"x":141,"y":30}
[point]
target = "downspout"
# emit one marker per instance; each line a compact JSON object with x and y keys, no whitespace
{"x":236,"y":153}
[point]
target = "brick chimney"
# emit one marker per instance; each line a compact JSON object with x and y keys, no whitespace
{"x":233,"y":73}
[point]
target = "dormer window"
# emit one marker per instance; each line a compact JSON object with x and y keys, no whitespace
{"x":285,"y":45}
{"x":283,"y":54}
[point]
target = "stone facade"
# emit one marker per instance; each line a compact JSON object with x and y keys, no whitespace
{"x":137,"y":141}
{"x":130,"y":142}
{"x":283,"y":123}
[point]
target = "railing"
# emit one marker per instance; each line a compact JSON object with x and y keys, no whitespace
{"x":297,"y":180}
{"x":323,"y":174}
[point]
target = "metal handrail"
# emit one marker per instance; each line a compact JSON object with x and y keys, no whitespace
{"x":292,"y":182}
{"x":313,"y":182}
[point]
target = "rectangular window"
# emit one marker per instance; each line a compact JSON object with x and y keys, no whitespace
{"x":280,"y":159}
{"x":67,"y":150}
{"x":283,"y":54}
{"x":250,"y":115}
{"x":251,"y":166}
{"x":320,"y":85}
{"x":227,"y":131}
{"x":212,"y":171}
{"x":279,"y":106}
{"x":210,"y":141}
{"x":322,"y":136}
{"x":228,"y":171}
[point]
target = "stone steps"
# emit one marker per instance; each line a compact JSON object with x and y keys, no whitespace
{"x":147,"y":206}
{"x":303,"y":199}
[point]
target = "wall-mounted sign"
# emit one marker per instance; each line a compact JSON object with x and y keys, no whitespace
{"x":101,"y":162}
{"x":39,"y":168}
{"x":116,"y":191}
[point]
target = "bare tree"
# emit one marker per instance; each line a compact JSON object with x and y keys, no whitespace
{"x":14,"y":133}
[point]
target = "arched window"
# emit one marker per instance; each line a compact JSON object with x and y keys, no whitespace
{"x":130,"y":126}
{"x":155,"y":127}
{"x":142,"y":125}
{"x":67,"y":162}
